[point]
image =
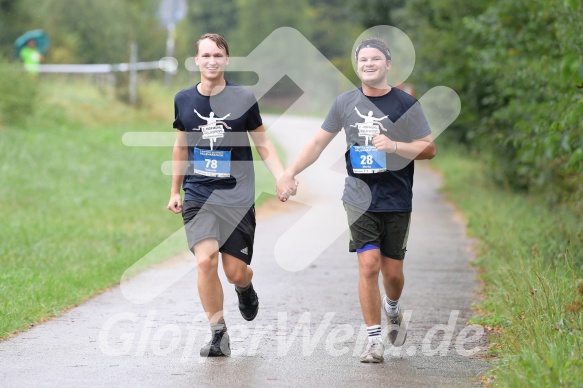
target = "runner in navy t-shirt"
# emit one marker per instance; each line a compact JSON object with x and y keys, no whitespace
{"x":212,"y":161}
{"x":385,"y":131}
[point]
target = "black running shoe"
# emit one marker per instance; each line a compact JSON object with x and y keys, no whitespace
{"x":248,"y":303}
{"x":218,"y":345}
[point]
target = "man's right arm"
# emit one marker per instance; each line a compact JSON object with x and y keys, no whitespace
{"x":179,"y":164}
{"x":307,"y":156}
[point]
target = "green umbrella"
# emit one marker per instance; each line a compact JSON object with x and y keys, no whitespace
{"x":39,"y":36}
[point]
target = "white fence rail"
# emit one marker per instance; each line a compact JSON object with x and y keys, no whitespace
{"x":166,"y":64}
{"x":162,"y":64}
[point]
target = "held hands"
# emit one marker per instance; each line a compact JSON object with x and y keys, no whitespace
{"x":286,"y":186}
{"x":175,"y":203}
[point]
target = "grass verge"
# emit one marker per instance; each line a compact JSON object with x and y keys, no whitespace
{"x":531,"y":262}
{"x":78,"y":207}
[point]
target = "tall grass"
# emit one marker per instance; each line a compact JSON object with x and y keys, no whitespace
{"x":531,"y":261}
{"x":18,"y":93}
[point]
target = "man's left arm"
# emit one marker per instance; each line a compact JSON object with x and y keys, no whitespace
{"x":418,"y":149}
{"x":266,"y":151}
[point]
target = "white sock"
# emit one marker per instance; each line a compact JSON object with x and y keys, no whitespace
{"x":391,"y":305}
{"x":374,"y":333}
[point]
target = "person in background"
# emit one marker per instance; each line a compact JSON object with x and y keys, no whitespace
{"x":31,"y":57}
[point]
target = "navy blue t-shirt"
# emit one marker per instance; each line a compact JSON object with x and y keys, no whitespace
{"x":400,"y":117}
{"x":216,"y":128}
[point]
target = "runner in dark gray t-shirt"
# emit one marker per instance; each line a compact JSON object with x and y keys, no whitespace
{"x":385,"y":131}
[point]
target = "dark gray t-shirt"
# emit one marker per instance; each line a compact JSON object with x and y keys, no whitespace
{"x":220,"y":169}
{"x":400,"y":117}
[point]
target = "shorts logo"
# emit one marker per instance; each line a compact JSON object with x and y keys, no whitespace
{"x":245,"y":250}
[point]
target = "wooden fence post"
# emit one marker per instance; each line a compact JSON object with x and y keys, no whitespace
{"x":133,"y":84}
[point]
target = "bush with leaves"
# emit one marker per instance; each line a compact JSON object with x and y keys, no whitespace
{"x":535,"y":125}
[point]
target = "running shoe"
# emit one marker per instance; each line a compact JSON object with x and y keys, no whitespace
{"x":397,"y":326}
{"x":248,"y":303}
{"x":373,"y":353}
{"x":218,"y":346}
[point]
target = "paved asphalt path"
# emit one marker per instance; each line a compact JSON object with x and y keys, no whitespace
{"x":309,"y":331}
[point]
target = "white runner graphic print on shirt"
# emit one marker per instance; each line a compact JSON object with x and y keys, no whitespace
{"x":210,"y":162}
{"x":370,"y":126}
{"x":367,"y":159}
{"x":214,"y":128}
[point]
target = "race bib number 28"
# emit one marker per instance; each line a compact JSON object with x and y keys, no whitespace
{"x":212,"y":163}
{"x":367,"y":160}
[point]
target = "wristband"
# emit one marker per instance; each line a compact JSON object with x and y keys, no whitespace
{"x":396,"y":148}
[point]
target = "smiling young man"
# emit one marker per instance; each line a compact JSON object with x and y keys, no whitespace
{"x":385,"y":131}
{"x":213,"y":164}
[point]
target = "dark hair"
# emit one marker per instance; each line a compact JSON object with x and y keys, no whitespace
{"x":377,"y":43}
{"x":218,"y":39}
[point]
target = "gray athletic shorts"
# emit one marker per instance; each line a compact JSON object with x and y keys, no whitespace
{"x":387,"y":230}
{"x":232,"y":227}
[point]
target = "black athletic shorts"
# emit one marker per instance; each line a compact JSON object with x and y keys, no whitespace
{"x":232,"y":227}
{"x":387,"y":230}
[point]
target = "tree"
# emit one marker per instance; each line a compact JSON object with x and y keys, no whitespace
{"x":535,"y":51}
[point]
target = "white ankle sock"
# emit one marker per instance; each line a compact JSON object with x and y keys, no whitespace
{"x":374,"y":333}
{"x":391,"y":305}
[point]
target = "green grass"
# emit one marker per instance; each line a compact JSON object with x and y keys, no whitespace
{"x":78,"y":207}
{"x":531,"y":262}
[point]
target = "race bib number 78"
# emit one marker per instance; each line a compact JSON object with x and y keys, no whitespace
{"x":212,"y":163}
